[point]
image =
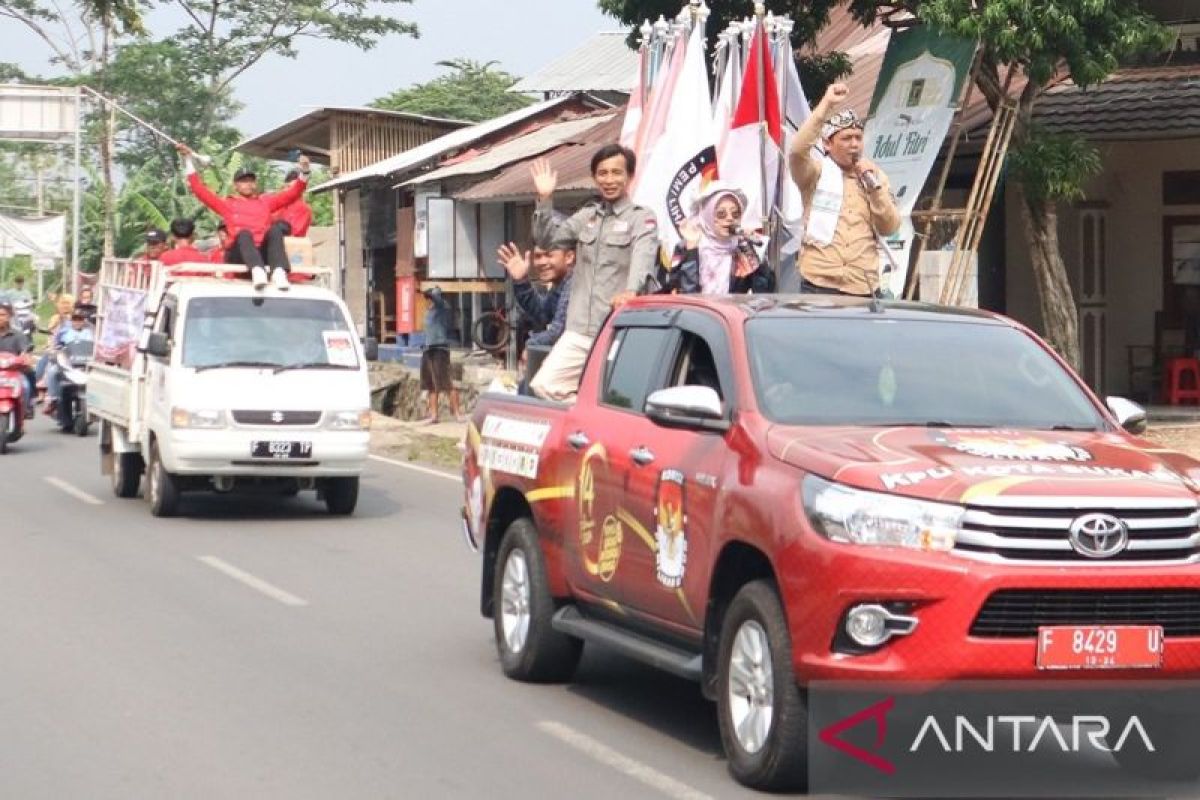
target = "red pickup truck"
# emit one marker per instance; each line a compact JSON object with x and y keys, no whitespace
{"x":759,"y":492}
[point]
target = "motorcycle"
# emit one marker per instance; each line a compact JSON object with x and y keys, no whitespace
{"x":72,"y":360}
{"x":13,"y":400}
{"x":25,"y":318}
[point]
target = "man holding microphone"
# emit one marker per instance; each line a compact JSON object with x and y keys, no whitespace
{"x":848,"y":206}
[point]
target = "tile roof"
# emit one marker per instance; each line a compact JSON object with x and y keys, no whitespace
{"x":1134,"y":103}
{"x":604,"y":63}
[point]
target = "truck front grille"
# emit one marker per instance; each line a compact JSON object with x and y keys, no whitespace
{"x":1003,"y":530}
{"x":1017,"y":613}
{"x":277,"y":417}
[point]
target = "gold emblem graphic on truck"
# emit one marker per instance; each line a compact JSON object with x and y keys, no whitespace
{"x":611,"y":534}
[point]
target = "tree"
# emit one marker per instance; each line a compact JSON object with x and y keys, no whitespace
{"x":472,"y":92}
{"x":228,"y":37}
{"x":1085,"y":40}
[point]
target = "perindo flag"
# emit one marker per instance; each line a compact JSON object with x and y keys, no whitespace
{"x":744,"y":161}
{"x":684,"y":155}
{"x":919,"y":87}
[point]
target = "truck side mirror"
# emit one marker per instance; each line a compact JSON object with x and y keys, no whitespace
{"x":687,"y":407}
{"x":158,"y":345}
{"x":1129,"y":414}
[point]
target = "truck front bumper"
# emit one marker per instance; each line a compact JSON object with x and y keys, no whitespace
{"x":230,"y":452}
{"x":947,"y":594}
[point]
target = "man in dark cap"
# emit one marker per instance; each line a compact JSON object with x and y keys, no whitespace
{"x":183,"y":231}
{"x":257,"y":242}
{"x":155,"y":245}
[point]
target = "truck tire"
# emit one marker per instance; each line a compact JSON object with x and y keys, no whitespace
{"x":760,"y":708}
{"x":529,"y":647}
{"x":1174,"y":757}
{"x":126,"y":474}
{"x":4,"y":433}
{"x":341,"y":495}
{"x":161,"y":487}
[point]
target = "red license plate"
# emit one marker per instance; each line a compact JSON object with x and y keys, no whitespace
{"x":1100,"y":647}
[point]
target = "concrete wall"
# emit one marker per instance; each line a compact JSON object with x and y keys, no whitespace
{"x":1131,"y":188}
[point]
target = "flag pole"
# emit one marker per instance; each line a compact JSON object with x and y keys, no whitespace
{"x":775,"y":252}
{"x":760,"y":13}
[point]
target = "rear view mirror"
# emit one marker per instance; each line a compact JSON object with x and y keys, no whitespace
{"x":1129,"y":414}
{"x":687,"y":407}
{"x":157,"y":345}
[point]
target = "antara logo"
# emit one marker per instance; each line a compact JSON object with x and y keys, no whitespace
{"x":988,"y":734}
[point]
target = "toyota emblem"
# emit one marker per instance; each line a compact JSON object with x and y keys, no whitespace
{"x":277,"y":417}
{"x":1098,"y":535}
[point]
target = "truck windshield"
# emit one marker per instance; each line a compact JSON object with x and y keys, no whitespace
{"x":908,"y":372}
{"x":266,"y":332}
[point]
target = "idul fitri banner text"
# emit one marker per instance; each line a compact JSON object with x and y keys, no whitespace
{"x":919,"y":87}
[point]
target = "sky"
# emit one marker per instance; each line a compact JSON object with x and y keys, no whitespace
{"x":522,"y":35}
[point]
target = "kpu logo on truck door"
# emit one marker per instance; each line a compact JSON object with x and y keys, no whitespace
{"x":670,"y":534}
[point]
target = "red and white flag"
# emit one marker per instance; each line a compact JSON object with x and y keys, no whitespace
{"x":744,"y":160}
{"x":684,"y":155}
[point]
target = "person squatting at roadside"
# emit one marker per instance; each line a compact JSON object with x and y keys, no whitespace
{"x":14,"y":342}
{"x":257,"y":242}
{"x":616,"y":245}
{"x":435,"y":358}
{"x":297,"y":215}
{"x":183,"y":231}
{"x":849,"y":207}
{"x":716,"y":256}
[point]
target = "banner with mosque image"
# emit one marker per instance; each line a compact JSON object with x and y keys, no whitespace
{"x":919,"y":88}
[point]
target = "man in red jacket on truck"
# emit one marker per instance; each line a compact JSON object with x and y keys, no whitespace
{"x":298,"y":215}
{"x":257,"y":243}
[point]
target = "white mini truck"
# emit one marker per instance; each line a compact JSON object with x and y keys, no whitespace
{"x":206,"y":384}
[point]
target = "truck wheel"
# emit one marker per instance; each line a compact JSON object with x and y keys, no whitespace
{"x":761,"y":710}
{"x":1174,"y":756}
{"x":161,"y":487}
{"x":82,"y":423}
{"x":529,"y":647}
{"x":4,"y":425}
{"x":126,"y":474}
{"x":341,"y":495}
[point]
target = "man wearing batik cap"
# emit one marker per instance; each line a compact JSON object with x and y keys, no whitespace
{"x":848,"y":205}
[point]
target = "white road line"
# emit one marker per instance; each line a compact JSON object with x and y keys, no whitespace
{"x":258,"y":584}
{"x":78,"y":494}
{"x":437,"y":473}
{"x":620,"y":762}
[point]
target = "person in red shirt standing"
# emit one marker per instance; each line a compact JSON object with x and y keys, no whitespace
{"x":257,"y":242}
{"x":297,"y":215}
{"x":224,"y":242}
{"x":183,"y":231}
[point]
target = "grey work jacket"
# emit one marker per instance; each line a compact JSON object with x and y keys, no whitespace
{"x":616,"y":249}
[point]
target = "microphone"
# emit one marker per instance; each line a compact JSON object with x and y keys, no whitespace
{"x":868,"y":178}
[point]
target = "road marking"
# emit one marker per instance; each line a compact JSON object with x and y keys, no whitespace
{"x":258,"y":584}
{"x":620,"y":762}
{"x":437,"y":473}
{"x":78,"y":494}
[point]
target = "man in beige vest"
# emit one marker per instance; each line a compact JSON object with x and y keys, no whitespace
{"x":848,"y":205}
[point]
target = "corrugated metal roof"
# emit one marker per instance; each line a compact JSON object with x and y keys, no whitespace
{"x":572,"y":160}
{"x":604,"y":63}
{"x":1134,"y":103}
{"x":523,"y":147}
{"x":451,"y":141}
{"x":312,"y":130}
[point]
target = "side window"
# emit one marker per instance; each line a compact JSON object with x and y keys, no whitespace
{"x":695,"y":365}
{"x":634,"y":361}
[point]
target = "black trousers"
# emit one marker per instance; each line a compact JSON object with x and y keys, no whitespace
{"x":270,"y":253}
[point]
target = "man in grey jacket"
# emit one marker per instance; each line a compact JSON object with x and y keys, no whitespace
{"x":616,"y":247}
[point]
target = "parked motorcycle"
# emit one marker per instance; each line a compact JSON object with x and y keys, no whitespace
{"x":13,"y":399}
{"x":72,"y":360}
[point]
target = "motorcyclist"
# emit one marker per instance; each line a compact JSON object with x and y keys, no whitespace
{"x":78,"y":330}
{"x":13,"y":341}
{"x":19,"y":294}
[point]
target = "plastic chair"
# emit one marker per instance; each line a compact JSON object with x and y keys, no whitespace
{"x":1178,"y":372}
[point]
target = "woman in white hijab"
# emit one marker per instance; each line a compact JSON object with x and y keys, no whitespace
{"x":716,"y":257}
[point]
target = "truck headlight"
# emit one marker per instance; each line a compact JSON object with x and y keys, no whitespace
{"x":843,"y":514}
{"x":205,"y":418}
{"x":359,"y":420}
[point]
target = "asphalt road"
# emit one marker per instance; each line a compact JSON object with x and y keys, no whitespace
{"x":259,"y":648}
{"x":136,"y":665}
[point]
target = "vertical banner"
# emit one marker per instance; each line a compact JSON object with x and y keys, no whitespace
{"x":920,"y":84}
{"x":124,"y":315}
{"x":406,"y":304}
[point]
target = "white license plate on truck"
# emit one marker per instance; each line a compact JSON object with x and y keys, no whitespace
{"x":280,"y":450}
